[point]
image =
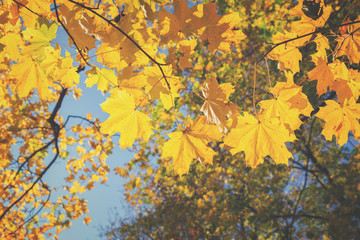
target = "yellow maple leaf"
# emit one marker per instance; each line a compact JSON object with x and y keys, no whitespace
{"x":133,"y":83}
{"x":52,"y":60}
{"x":123,"y":172}
{"x":41,"y":37}
{"x":230,"y":36}
{"x":73,"y":19}
{"x":340,"y":119}
{"x":174,"y":26}
{"x":302,"y":27}
{"x":216,"y":107}
{"x":288,"y":104}
{"x":259,"y":138}
{"x":30,"y":75}
{"x":288,"y":55}
{"x":124,"y":118}
{"x":280,"y":108}
{"x":12,"y":42}
{"x":211,"y":30}
{"x":322,"y":43}
{"x":157,"y":87}
{"x":299,"y":100}
{"x":191,"y":143}
{"x":354,"y":83}
{"x":66,"y":73}
{"x":87,"y":220}
{"x":41,"y":7}
{"x":343,"y":83}
{"x":111,"y":56}
{"x":104,"y":78}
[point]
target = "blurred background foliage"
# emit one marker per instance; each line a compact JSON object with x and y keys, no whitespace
{"x":315,"y":197}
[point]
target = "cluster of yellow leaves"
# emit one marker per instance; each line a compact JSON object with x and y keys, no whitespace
{"x":266,"y":133}
{"x":334,"y":76}
{"x":141,"y":49}
{"x":39,"y":65}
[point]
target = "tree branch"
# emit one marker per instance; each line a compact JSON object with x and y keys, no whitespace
{"x":305,"y":215}
{"x":298,"y":200}
{"x":56,"y":129}
{"x":28,"y":159}
{"x":305,"y":35}
{"x":127,"y":36}
{"x":68,"y":33}
{"x":19,"y":3}
{"x":309,"y":154}
{"x":302,"y":167}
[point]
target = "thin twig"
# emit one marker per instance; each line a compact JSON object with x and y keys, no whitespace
{"x":305,"y":35}
{"x":268,"y":73}
{"x":298,"y":200}
{"x":19,"y":3}
{"x":313,"y":172}
{"x":127,"y":36}
{"x":35,"y":214}
{"x":82,"y":118}
{"x":253,"y":97}
{"x":56,"y":129}
{"x":28,"y":159}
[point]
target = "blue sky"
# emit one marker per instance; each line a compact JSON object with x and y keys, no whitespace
{"x":105,"y":199}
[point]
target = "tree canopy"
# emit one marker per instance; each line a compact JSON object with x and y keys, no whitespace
{"x":243,"y":116}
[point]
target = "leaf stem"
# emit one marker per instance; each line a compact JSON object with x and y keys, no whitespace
{"x":254,"y":87}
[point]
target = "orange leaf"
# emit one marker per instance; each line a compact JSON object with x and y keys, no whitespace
{"x":323,"y":74}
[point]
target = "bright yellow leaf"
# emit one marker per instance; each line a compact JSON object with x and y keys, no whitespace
{"x":157,"y":86}
{"x":77,"y":188}
{"x":40,"y":38}
{"x":104,"y":78}
{"x":30,"y":75}
{"x":288,"y":54}
{"x":259,"y":138}
{"x":124,"y":118}
{"x":288,"y":104}
{"x":340,"y":119}
{"x":87,"y":220}
{"x":191,"y":143}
